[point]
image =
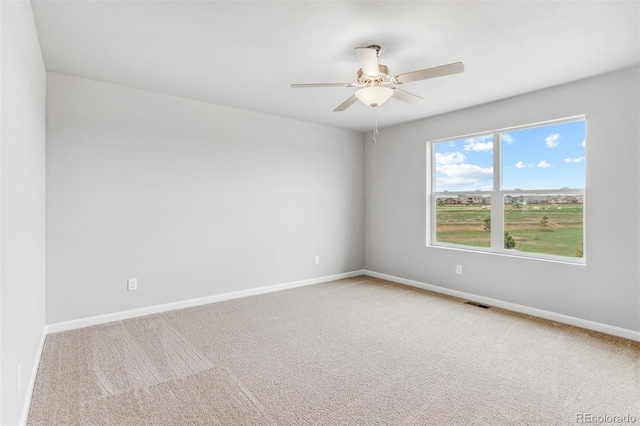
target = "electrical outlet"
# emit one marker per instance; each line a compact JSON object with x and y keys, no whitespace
{"x":459,"y":269}
{"x":132,"y":284}
{"x":317,"y":260}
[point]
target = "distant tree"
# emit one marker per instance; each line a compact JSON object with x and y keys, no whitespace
{"x":544,"y":222}
{"x":487,"y":223}
{"x":515,"y":204}
{"x":440,"y":202}
{"x":509,"y":242}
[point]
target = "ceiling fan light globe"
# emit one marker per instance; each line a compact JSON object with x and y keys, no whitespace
{"x":374,"y":96}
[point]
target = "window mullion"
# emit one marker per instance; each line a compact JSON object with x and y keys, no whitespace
{"x":497,"y":218}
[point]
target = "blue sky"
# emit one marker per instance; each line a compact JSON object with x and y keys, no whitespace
{"x":549,"y":157}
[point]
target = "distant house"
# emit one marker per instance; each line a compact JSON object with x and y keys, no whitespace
{"x":450,"y":201}
{"x":473,"y":199}
{"x":508,"y":199}
{"x":538,"y":199}
{"x":570,"y":199}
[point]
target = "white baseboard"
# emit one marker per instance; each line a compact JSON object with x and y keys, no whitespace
{"x":32,"y":378}
{"x":565,"y":319}
{"x":117,"y":316}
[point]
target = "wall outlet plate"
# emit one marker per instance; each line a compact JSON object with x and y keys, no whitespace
{"x":132,"y":284}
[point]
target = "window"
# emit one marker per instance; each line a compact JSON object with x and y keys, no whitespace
{"x":516,"y":191}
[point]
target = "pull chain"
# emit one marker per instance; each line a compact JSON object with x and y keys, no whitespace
{"x":375,"y":124}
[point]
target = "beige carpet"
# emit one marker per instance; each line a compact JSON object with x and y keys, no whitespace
{"x":359,"y":351}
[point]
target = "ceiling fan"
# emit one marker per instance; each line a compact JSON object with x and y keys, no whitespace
{"x":377,"y":86}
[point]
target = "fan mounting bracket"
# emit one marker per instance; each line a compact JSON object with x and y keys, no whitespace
{"x":376,"y":48}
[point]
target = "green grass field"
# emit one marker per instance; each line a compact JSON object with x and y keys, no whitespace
{"x":461,"y":224}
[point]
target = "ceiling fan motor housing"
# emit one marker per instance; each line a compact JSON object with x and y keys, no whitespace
{"x":381,"y":78}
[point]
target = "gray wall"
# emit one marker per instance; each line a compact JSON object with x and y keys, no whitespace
{"x":22,"y":200}
{"x":192,"y":199}
{"x":606,"y":290}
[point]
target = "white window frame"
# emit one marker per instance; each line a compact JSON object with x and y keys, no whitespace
{"x":497,"y":195}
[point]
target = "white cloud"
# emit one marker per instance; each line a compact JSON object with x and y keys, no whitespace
{"x":543,"y":164}
{"x":583,"y":143}
{"x":455,"y":181}
{"x":449,"y":157}
{"x":482,"y":143}
{"x":573,"y":160}
{"x":521,"y":165}
{"x":463,"y":174}
{"x":507,"y":138}
{"x":552,"y":140}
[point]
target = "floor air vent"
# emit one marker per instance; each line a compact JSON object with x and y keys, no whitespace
{"x":476,"y":304}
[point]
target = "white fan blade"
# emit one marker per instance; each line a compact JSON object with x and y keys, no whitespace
{"x":456,"y":67}
{"x":299,"y":86}
{"x":407,"y":97}
{"x":346,"y":104}
{"x":368,"y":58}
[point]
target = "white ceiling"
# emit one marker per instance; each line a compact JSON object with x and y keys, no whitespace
{"x":245,"y":54}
